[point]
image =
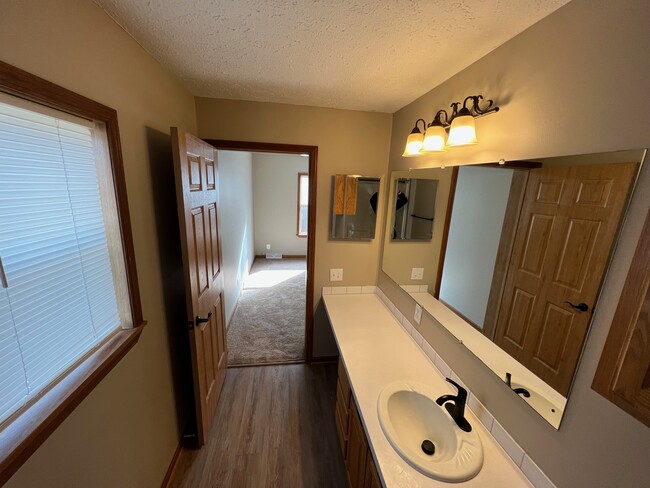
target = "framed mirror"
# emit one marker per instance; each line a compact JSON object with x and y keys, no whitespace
{"x":354,"y":207}
{"x":516,"y":262}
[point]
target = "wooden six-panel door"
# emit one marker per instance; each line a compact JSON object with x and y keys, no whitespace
{"x":195,"y":164}
{"x":566,"y":229}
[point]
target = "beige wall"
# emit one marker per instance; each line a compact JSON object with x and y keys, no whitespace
{"x":125,"y":432}
{"x":275,"y":199}
{"x":236,"y":221}
{"x":348,"y":142}
{"x":576,"y":82}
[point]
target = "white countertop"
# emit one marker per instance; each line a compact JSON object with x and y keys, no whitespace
{"x":376,"y":351}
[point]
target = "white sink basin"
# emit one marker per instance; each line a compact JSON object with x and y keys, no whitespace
{"x":409,"y":415}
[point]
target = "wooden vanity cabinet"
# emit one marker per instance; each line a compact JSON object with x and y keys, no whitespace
{"x":361,"y":469}
{"x":343,"y":395}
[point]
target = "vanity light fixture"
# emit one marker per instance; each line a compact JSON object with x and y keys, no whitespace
{"x":415,"y":140}
{"x":459,"y":125}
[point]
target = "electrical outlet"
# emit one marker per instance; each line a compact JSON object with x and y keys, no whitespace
{"x":417,"y":273}
{"x":268,"y":246}
{"x":417,"y":316}
{"x":336,"y":274}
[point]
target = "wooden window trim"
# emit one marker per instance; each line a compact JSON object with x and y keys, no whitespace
{"x":26,"y":430}
{"x":298,"y":234}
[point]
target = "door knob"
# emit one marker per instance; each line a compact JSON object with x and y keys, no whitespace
{"x":583,"y":307}
{"x":201,"y":320}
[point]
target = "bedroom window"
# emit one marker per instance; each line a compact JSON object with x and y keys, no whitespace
{"x":70,"y":304}
{"x":303,"y":204}
{"x":63,"y":285}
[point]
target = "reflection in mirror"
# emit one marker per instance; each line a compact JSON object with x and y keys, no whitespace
{"x":415,"y":206}
{"x":526,"y":249}
{"x":413,"y":264}
{"x":354,"y":207}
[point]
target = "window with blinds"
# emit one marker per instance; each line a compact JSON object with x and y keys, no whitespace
{"x":303,"y":204}
{"x":62,"y":277}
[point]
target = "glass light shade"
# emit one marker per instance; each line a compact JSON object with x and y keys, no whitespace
{"x":413,"y":144}
{"x":434,"y":139}
{"x":462,"y":131}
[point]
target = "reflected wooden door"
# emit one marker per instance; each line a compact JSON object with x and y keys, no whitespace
{"x":566,"y":229}
{"x":197,"y":195}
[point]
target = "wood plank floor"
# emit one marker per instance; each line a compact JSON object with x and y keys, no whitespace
{"x":274,"y":427}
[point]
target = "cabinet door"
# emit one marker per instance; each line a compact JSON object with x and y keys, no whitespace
{"x":372,"y":476}
{"x":357,"y":450}
{"x":342,"y":419}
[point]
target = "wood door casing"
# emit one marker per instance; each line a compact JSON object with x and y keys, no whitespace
{"x":196,"y":170}
{"x":623,"y":374}
{"x":566,"y":229}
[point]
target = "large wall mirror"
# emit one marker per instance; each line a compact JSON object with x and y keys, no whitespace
{"x":516,"y":260}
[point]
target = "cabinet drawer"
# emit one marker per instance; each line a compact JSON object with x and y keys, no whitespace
{"x":344,"y":383}
{"x":343,"y":433}
{"x":372,"y":479}
{"x":342,"y":407}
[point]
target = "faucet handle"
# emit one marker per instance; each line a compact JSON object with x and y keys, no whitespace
{"x":462,"y":392}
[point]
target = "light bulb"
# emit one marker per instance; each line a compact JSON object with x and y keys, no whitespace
{"x":462,"y":131}
{"x":414,"y":143}
{"x":434,"y":139}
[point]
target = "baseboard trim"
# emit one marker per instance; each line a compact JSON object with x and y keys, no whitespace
{"x":233,"y":312}
{"x":169,"y":475}
{"x":284,"y":256}
{"x":270,"y":363}
{"x":325,"y":359}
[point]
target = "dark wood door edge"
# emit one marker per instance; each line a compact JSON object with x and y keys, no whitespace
{"x":271,"y":147}
{"x":25,"y":432}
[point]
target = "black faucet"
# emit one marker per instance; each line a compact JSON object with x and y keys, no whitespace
{"x":519,"y":391}
{"x":455,"y":405}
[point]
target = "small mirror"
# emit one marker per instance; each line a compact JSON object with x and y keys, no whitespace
{"x":354,"y":207}
{"x":415,"y":208}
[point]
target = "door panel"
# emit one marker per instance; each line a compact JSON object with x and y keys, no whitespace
{"x":534,"y":252}
{"x":567,"y":226}
{"x":576,"y":253}
{"x":552,"y":341}
{"x":196,"y":169}
{"x":198,"y":236}
{"x":214,"y":241}
{"x":522,"y":308}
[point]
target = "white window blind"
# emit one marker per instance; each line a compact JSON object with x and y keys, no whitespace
{"x":62,"y":280}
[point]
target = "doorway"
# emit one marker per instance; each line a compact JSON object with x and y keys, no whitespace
{"x":269,"y":266}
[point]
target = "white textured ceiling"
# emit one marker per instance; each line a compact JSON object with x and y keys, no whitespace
{"x":373,"y":55}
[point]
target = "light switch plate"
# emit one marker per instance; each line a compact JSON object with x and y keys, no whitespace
{"x":336,"y":274}
{"x":417,"y":316}
{"x":417,"y":273}
{"x":268,"y":246}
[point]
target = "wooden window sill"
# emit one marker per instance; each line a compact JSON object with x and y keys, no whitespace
{"x":23,"y":434}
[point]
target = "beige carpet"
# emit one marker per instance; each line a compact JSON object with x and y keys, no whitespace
{"x":268,"y":325}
